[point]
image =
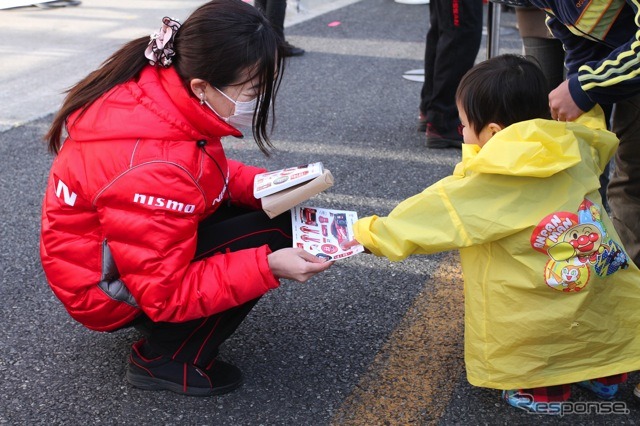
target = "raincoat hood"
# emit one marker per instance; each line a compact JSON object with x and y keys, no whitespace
{"x":541,"y":148}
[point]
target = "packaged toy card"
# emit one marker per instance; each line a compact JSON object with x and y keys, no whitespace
{"x":275,"y":181}
{"x":323,"y":231}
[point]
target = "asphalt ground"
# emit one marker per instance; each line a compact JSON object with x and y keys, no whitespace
{"x":369,"y":342}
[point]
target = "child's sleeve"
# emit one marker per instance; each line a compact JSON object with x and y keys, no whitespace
{"x":421,"y":224}
{"x":451,"y":214}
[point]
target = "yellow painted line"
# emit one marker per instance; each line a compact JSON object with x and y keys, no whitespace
{"x":412,"y":378}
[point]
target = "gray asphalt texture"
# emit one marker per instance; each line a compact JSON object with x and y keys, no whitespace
{"x":305,"y":346}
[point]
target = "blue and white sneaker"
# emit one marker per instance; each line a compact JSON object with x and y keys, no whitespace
{"x":525,"y":401}
{"x":601,"y":391}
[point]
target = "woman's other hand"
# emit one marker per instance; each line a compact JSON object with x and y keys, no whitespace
{"x":296,"y":264}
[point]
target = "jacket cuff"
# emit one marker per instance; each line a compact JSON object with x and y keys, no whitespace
{"x":579,"y":96}
{"x":263,"y":266}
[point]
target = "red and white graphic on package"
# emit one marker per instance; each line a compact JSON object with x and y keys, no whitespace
{"x":322,"y":232}
{"x":271,"y":182}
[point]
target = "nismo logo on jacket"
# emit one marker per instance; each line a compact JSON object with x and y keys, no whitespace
{"x":150,"y":200}
{"x":69,"y":197}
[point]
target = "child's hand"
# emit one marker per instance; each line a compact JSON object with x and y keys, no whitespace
{"x":348,"y":244}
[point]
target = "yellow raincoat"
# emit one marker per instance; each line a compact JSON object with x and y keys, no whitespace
{"x":549,"y":297}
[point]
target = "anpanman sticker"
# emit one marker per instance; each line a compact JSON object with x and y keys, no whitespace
{"x":576,"y":243}
{"x":566,"y":276}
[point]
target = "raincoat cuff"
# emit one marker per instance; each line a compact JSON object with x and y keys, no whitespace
{"x":361,"y":231}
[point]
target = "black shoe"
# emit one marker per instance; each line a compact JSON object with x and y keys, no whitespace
{"x":437,"y":140}
{"x":291,"y":50}
{"x":163,"y":373}
{"x":422,"y":123}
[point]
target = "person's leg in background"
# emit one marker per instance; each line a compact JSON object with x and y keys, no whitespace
{"x":539,"y":44}
{"x":275,"y":11}
{"x":550,"y":57}
{"x":549,"y":54}
{"x":457,"y":37}
{"x":429,"y":65}
{"x":182,"y":357}
{"x":623,"y":192}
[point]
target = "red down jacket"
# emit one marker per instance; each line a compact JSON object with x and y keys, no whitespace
{"x":122,"y":206}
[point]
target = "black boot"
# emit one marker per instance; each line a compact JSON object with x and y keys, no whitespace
{"x":291,"y":50}
{"x":163,"y":373}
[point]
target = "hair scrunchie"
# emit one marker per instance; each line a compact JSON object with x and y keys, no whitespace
{"x":160,"y":48}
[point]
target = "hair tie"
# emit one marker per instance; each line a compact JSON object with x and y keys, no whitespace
{"x":160,"y":48}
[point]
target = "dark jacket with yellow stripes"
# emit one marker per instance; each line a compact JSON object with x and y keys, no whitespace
{"x":602,"y":44}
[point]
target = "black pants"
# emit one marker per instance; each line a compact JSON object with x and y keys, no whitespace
{"x":197,"y":341}
{"x":453,"y":41}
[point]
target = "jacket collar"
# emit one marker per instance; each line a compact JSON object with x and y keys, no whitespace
{"x":200,"y":117}
{"x":156,"y":105}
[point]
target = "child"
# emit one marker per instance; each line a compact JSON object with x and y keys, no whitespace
{"x":550,"y":297}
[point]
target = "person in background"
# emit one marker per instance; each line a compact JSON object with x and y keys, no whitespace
{"x":145,"y":222}
{"x":539,"y":43}
{"x":275,"y":11}
{"x":603,"y":67}
{"x":452,"y":44}
{"x":550,"y":298}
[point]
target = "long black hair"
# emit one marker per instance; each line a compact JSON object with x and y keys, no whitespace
{"x":219,"y":40}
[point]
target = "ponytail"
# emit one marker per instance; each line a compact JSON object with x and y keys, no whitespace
{"x":122,"y":66}
{"x":220,"y":40}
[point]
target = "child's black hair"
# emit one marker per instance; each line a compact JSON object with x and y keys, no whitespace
{"x":505,"y":89}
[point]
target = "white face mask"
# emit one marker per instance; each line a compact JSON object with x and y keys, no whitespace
{"x":243,"y":113}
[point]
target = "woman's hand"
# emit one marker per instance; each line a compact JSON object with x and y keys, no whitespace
{"x":296,"y":264}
